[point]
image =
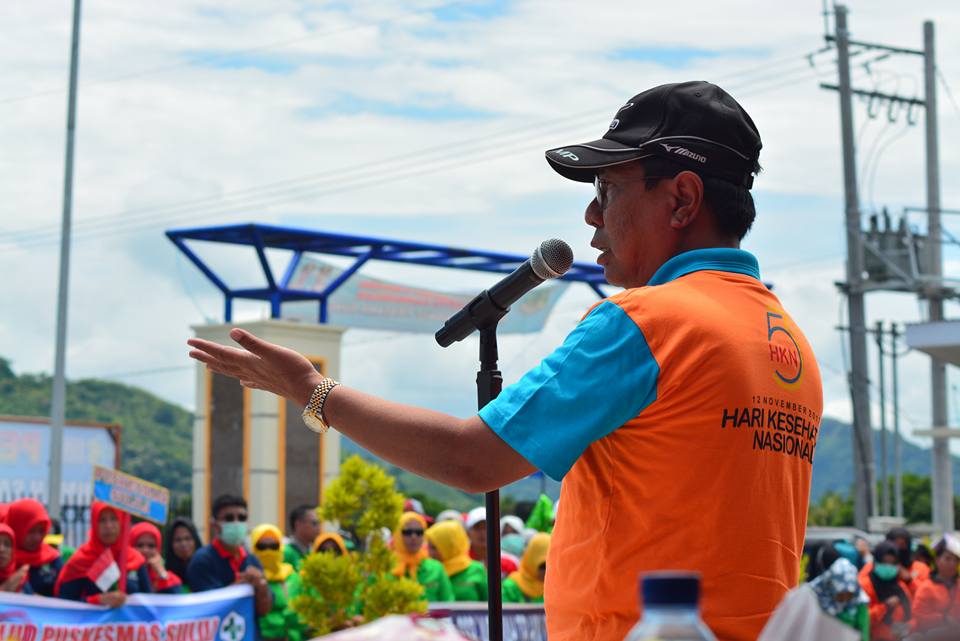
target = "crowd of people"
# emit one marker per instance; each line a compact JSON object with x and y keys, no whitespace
{"x":446,"y":555}
{"x":896,"y":590}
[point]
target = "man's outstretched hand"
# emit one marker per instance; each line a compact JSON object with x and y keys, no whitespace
{"x":260,"y":365}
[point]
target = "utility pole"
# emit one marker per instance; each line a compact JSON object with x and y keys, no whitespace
{"x":942,"y":472}
{"x":897,"y":462}
{"x":884,"y":486}
{"x":865,"y":500}
{"x":59,"y":395}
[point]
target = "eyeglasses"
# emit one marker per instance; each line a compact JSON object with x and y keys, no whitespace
{"x":411,"y":532}
{"x":267,"y":546}
{"x":601,"y":187}
{"x":230,"y":518}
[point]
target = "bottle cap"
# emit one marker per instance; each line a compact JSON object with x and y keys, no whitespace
{"x":670,"y":588}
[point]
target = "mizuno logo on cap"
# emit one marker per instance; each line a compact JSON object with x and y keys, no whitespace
{"x":563,"y":153}
{"x":683,"y":151}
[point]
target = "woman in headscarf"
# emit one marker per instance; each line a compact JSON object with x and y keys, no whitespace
{"x":839,"y":594}
{"x":937,"y":602}
{"x":413,"y":561}
{"x":448,"y":543}
{"x":281,"y":622}
{"x":890,"y":607}
{"x":146,"y":539}
{"x":93,"y":573}
{"x":30,"y":523}
{"x":330,"y":542}
{"x":179,"y":546}
{"x":12,"y":577}
{"x":526,"y":584}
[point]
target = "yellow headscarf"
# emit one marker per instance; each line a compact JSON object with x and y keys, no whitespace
{"x":274,"y":569}
{"x":452,"y":543}
{"x":533,"y":557}
{"x":330,"y":536}
{"x":408,"y":563}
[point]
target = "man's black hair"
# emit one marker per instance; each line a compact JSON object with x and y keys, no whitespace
{"x":227,"y":500}
{"x":732,"y":205}
{"x":298,"y":513}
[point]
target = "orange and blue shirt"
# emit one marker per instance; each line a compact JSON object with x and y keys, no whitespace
{"x":682,"y":418}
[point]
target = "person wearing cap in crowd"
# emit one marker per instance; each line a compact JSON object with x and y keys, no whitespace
{"x":225,"y":561}
{"x":890,"y":607}
{"x":447,"y":542}
{"x":476,"y":525}
{"x":304,"y":529}
{"x":937,"y":601}
{"x":145,"y":538}
{"x":413,"y":559}
{"x":13,"y":577}
{"x":690,"y":360}
{"x":526,"y":584}
{"x":179,"y":545}
{"x":30,"y":523}
{"x":281,"y":622}
{"x":94,"y":572}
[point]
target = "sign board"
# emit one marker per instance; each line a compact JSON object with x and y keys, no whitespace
{"x":217,"y":615}
{"x":25,"y":457}
{"x":132,"y":495}
{"x":371,"y":303}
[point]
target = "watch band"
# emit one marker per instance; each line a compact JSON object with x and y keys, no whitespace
{"x":314,"y":408}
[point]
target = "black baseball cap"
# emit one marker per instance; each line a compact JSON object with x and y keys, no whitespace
{"x":697,"y":124}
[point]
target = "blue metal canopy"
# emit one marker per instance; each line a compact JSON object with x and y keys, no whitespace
{"x":360,"y":248}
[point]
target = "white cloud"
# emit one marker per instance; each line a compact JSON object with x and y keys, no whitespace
{"x":154,"y":130}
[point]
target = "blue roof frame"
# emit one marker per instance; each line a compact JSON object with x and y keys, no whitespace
{"x":360,"y":248}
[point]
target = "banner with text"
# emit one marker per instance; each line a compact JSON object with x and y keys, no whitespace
{"x":131,"y":494}
{"x":219,"y":615}
{"x":371,"y":303}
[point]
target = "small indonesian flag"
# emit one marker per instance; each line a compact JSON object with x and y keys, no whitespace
{"x":104,"y":571}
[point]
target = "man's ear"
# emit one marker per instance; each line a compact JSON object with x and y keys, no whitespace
{"x":687,"y":192}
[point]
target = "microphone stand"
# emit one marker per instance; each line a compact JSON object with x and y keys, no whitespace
{"x":489,"y":384}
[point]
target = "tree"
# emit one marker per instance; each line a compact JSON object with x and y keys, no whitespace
{"x":362,"y":500}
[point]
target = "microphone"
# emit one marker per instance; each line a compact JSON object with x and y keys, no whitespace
{"x":550,"y":260}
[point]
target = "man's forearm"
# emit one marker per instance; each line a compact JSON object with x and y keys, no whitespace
{"x":463,"y":453}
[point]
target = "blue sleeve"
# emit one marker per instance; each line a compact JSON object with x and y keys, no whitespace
{"x":201,"y":573}
{"x":142,"y":582}
{"x":602,"y":376}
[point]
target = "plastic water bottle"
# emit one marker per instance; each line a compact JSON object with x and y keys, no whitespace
{"x":671,"y":609}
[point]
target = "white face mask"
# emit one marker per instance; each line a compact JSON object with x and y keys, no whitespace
{"x":233,"y":532}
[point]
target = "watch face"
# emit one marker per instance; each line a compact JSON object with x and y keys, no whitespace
{"x":314,"y":423}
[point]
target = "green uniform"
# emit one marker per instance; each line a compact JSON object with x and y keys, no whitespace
{"x":282,"y":622}
{"x":513,"y":594}
{"x":471,"y":584}
{"x":859,"y":621}
{"x":436,"y":584}
{"x":293,"y":555}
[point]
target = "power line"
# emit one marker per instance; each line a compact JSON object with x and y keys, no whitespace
{"x":325,"y":183}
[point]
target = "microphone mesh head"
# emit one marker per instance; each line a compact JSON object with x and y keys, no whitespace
{"x":551,"y":259}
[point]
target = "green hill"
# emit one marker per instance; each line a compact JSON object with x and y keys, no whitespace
{"x":155,"y":438}
{"x":156,"y":441}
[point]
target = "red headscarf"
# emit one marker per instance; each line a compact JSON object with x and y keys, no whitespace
{"x":150,"y":529}
{"x":79,"y":564}
{"x":3,"y":512}
{"x":23,"y":515}
{"x":7,"y":572}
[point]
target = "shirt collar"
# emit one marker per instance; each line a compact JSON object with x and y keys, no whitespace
{"x":722,"y":259}
{"x":222,"y":550}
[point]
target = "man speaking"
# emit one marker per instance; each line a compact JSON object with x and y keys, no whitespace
{"x":681,"y":414}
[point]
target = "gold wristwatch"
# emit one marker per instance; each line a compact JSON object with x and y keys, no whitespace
{"x":313,"y":412}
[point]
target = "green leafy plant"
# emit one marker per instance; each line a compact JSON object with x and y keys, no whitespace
{"x":357,"y":587}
